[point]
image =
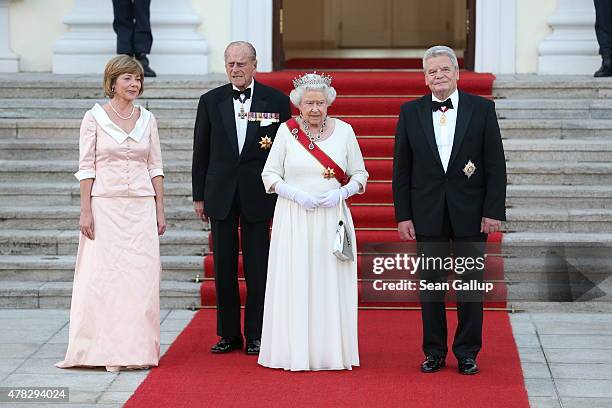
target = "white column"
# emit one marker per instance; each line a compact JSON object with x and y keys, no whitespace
{"x":90,"y":41}
{"x":572,"y":47}
{"x":495,"y":36}
{"x":9,"y":62}
{"x":252,"y":22}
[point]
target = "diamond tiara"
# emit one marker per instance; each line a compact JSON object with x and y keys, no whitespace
{"x":312,"y":79}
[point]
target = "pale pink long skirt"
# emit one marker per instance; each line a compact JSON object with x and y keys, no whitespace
{"x":114,"y":315}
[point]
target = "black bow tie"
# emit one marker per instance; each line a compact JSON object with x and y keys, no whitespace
{"x":247,"y":94}
{"x":435,"y":105}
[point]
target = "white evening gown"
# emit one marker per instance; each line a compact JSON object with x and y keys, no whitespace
{"x":310,"y":312}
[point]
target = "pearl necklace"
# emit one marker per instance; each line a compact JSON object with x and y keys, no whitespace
{"x":313,"y":139}
{"x":117,"y":113}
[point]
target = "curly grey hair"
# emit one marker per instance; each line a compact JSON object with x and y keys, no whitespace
{"x":437,"y":51}
{"x":297,"y":94}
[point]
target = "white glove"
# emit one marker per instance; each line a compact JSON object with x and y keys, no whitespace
{"x":304,"y":199}
{"x":350,"y":189}
{"x":330,"y":199}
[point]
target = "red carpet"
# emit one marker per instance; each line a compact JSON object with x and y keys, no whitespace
{"x":407,"y":84}
{"x":190,"y":376}
{"x":370,"y":102}
{"x":357,"y":63}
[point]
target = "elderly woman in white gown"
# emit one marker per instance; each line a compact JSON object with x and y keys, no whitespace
{"x":310,"y":312}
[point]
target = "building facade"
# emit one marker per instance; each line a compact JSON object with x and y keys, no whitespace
{"x":506,"y":36}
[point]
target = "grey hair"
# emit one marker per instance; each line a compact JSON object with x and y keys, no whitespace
{"x":297,"y":94}
{"x":440,"y":50}
{"x":248,"y":45}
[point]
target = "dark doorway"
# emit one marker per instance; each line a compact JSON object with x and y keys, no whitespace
{"x":371,"y":28}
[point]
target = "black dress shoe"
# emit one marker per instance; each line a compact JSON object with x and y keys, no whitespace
{"x":227,"y":344}
{"x":432,"y":364}
{"x":606,"y":67}
{"x":468,"y":366}
{"x":252,"y":347}
{"x":144,"y":61}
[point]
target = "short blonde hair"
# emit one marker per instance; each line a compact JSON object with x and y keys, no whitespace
{"x":117,"y":66}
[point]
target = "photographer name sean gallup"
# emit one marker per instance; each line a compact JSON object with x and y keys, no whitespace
{"x":407,"y":285}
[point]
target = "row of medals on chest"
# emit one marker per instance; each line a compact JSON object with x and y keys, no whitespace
{"x":266,"y":142}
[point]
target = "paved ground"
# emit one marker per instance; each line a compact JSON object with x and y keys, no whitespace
{"x":32,"y":341}
{"x":566,"y":357}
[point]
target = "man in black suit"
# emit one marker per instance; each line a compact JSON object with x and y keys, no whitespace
{"x":234,"y":130}
{"x":132,"y":24}
{"x":603,"y":30}
{"x":449,"y":189}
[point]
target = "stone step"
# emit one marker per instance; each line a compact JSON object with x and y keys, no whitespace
{"x":57,"y":295}
{"x":57,"y":242}
{"x":68,"y":129}
{"x":34,"y":85}
{"x":68,"y":193}
{"x":58,"y":149}
{"x":554,"y":108}
{"x":559,"y":173}
{"x":558,"y":220}
{"x":46,"y":268}
{"x":559,"y":196}
{"x":182,"y":149}
{"x":179,"y":194}
{"x":520,"y":172}
{"x":184,"y":295}
{"x":75,"y":108}
{"x":550,"y":86}
{"x":174,"y":129}
{"x":186,"y":108}
{"x":555,"y":149}
{"x":524,"y":172}
{"x":62,"y":217}
{"x":532,"y":129}
{"x":44,"y":85}
{"x":49,"y":268}
{"x":180,"y":219}
{"x":538,"y":269}
{"x":173,"y":294}
{"x":539,"y":244}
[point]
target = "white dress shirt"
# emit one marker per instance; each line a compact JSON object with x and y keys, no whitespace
{"x":445,"y":134}
{"x":241,"y":123}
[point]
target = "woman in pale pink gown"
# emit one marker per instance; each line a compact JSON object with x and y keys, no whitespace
{"x":114,"y":316}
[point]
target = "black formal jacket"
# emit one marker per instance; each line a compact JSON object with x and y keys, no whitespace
{"x":218,"y":170}
{"x":420,"y":186}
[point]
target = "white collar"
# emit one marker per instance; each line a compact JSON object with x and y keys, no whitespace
{"x":454,"y":97}
{"x":115,"y":131}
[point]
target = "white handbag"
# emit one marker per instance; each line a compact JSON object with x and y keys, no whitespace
{"x":343,"y":247}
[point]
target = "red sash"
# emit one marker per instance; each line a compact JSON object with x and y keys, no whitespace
{"x":318,"y":154}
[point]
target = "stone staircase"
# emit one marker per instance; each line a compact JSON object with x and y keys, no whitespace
{"x":39,"y":197}
{"x":557,"y":133}
{"x":557,"y":137}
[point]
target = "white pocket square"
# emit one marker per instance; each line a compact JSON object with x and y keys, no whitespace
{"x":266,"y":122}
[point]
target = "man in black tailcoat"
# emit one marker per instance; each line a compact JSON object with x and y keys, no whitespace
{"x":449,"y":189}
{"x":235,"y":127}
